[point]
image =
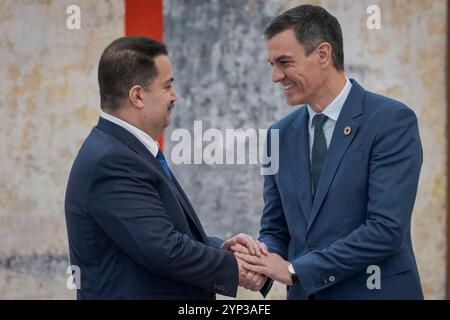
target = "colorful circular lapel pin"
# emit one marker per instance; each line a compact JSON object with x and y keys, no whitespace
{"x":347,"y":130}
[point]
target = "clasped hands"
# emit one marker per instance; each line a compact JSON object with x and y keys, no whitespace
{"x":256,"y":263}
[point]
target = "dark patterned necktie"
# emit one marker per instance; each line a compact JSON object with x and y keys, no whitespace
{"x":319,"y":149}
{"x":163,"y":162}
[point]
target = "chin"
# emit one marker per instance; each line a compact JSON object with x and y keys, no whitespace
{"x":290,"y":103}
{"x":295,"y":100}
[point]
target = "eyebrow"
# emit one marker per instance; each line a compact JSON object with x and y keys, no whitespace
{"x":283,"y":57}
{"x":169,"y":81}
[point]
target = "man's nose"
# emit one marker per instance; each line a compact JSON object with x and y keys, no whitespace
{"x":277,"y":74}
{"x":174,"y":95}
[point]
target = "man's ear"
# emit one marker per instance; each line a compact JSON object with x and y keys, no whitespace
{"x":324,"y":51}
{"x":136,"y":96}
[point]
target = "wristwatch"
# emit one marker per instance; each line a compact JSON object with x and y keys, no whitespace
{"x":294,"y":277}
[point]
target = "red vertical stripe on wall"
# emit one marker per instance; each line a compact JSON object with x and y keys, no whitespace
{"x":145,"y":18}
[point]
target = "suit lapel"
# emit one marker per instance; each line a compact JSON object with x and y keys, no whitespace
{"x":133,"y":143}
{"x":299,"y":161}
{"x":339,"y":144}
{"x":188,"y":208}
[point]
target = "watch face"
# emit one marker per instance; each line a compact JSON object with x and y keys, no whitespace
{"x":291,"y":269}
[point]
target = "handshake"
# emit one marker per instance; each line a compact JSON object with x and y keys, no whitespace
{"x":256,"y":263}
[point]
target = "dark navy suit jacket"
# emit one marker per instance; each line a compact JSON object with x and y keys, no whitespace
{"x":132,"y":230}
{"x":361,"y":213}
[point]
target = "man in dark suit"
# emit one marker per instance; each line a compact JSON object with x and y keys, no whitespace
{"x":337,"y":215}
{"x":132,"y":231}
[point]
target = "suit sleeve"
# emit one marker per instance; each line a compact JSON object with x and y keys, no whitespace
{"x":394,"y":170}
{"x":215,"y":242}
{"x":129,"y":210}
{"x":274,"y":231}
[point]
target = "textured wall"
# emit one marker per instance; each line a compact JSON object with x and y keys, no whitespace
{"x":49,"y":102}
{"x":223,"y":79}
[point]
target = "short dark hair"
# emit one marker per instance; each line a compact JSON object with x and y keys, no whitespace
{"x":312,"y":26}
{"x":126,"y":62}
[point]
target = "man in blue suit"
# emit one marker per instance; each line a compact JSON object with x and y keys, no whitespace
{"x":132,"y":231}
{"x":337,"y":215}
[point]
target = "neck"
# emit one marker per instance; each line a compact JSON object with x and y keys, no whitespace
{"x":154,"y":133}
{"x":328,"y":91}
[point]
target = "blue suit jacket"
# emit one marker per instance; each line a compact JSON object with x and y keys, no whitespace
{"x":361,"y":213}
{"x":133,"y":232}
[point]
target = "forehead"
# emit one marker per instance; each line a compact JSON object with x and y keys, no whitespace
{"x":283,"y":44}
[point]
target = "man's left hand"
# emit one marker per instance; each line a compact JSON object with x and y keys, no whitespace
{"x":271,"y":265}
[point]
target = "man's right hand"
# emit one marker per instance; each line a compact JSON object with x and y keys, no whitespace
{"x":248,"y":279}
{"x":246,"y":243}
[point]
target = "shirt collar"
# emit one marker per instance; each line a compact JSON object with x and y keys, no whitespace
{"x":144,"y":138}
{"x":333,"y":110}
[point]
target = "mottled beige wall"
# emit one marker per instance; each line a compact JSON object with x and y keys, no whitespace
{"x":48,"y":103}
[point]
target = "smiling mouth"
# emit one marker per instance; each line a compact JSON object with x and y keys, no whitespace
{"x":287,"y":87}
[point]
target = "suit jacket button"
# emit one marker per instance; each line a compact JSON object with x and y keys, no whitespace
{"x":218,"y":288}
{"x":332,"y":278}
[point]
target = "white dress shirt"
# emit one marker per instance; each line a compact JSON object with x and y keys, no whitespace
{"x":332,"y":111}
{"x":146,"y":140}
